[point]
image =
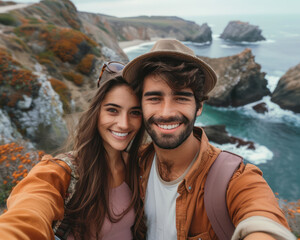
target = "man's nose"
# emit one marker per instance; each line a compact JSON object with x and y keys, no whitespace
{"x":167,"y":109}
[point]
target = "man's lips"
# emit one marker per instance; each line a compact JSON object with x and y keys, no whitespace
{"x":168,"y":126}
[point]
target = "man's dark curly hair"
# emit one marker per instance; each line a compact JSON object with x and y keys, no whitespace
{"x":177,"y":74}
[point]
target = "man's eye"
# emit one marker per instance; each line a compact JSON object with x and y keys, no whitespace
{"x":154,"y":99}
{"x":182,"y":99}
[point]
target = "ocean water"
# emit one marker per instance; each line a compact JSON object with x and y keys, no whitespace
{"x":277,"y":133}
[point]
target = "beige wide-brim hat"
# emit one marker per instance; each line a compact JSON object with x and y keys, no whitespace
{"x":173,"y":49}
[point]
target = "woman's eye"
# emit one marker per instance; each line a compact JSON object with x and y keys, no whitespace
{"x":112,"y":110}
{"x":136,"y":113}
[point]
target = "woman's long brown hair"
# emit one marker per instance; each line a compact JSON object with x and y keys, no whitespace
{"x":90,"y":203}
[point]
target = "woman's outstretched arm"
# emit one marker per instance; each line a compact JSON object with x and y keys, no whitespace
{"x":36,"y":202}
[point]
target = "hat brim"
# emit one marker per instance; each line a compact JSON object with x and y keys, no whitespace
{"x":131,"y":70}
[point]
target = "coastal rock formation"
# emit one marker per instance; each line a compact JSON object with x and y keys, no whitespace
{"x":287,"y":91}
{"x":261,"y":108}
{"x":204,"y":35}
{"x":218,"y":134}
{"x":241,"y":31}
{"x":147,"y":28}
{"x":240,"y":80}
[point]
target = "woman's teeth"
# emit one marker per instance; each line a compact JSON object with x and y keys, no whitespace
{"x":119,"y":134}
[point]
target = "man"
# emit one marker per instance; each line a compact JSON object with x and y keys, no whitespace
{"x":173,"y":84}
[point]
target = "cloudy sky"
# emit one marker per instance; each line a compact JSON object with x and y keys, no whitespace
{"x":185,"y":8}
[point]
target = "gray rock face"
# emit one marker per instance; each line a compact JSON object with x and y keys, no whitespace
{"x":43,"y":123}
{"x":240,"y":80}
{"x":242,"y":31}
{"x":218,"y":134}
{"x":204,"y":35}
{"x":38,"y":119}
{"x":287,"y":91}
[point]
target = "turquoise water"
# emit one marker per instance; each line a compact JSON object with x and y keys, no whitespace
{"x":277,"y":133}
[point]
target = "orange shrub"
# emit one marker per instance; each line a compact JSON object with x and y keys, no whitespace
{"x":65,"y":50}
{"x":74,"y":77}
{"x":66,"y":42}
{"x":86,"y":65}
{"x":15,"y":81}
{"x":63,"y":92}
{"x":15,"y":163}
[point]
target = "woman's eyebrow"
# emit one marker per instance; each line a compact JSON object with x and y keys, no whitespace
{"x":112,"y":104}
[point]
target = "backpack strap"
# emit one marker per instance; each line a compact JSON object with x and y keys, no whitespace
{"x":61,"y":228}
{"x":215,"y":190}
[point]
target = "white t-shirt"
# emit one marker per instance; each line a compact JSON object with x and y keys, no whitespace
{"x":160,"y":205}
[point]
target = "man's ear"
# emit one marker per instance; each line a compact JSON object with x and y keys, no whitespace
{"x":199,"y":111}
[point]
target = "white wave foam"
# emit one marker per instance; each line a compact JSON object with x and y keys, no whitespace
{"x":261,"y":154}
{"x":274,"y":114}
{"x":228,"y":46}
{"x":272,"y":82}
{"x":197,"y":43}
{"x":268,"y":41}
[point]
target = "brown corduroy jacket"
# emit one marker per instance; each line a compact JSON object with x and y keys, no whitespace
{"x":248,"y":193}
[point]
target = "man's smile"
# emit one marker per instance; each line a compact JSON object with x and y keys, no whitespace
{"x":168,"y":126}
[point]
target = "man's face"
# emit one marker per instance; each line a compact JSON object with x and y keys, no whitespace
{"x":169,"y":115}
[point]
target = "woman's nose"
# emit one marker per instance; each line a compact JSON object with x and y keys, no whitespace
{"x":123,"y":121}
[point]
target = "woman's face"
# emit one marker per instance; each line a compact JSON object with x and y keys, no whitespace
{"x":120,"y":118}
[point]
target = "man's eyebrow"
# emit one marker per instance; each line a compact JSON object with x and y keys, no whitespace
{"x":153,"y":93}
{"x":183,"y":93}
{"x":112,"y":104}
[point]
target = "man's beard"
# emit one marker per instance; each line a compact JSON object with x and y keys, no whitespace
{"x":169,"y":141}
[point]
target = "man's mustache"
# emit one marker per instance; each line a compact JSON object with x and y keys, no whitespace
{"x":180,"y":119}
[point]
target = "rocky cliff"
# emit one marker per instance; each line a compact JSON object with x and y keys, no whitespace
{"x":240,"y":80}
{"x":241,"y":31}
{"x":50,"y":59}
{"x":147,"y":28}
{"x":287,"y":90}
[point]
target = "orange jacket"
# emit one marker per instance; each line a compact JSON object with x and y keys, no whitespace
{"x":248,"y":193}
{"x":35,"y":203}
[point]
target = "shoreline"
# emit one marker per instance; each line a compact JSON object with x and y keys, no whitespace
{"x":132,"y":43}
{"x":135,"y":42}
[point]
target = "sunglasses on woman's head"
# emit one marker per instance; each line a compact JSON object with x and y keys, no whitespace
{"x":111,"y":67}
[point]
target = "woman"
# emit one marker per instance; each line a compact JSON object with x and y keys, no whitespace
{"x":106,"y":194}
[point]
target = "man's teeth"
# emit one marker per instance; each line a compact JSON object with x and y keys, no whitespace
{"x":168,"y":126}
{"x":119,"y":134}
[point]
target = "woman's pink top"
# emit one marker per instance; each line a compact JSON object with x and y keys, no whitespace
{"x":119,"y":200}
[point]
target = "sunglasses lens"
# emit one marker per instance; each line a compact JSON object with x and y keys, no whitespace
{"x":115,"y":67}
